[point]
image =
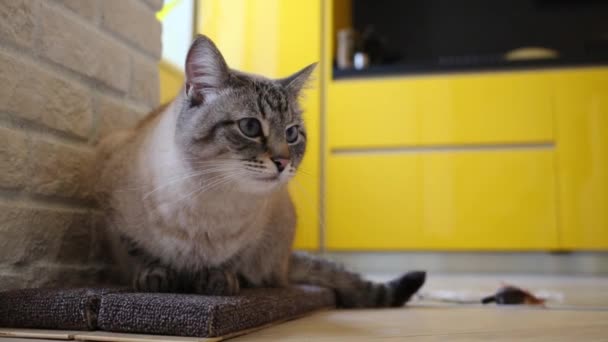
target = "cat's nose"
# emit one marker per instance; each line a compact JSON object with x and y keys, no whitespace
{"x":281,"y":163}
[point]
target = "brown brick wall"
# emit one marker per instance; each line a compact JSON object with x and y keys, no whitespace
{"x":71,"y":71}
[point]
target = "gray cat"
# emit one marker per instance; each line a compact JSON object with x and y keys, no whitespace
{"x":196,"y":195}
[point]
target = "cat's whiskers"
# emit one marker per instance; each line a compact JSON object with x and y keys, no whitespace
{"x":214,"y":160}
{"x":223,"y":181}
{"x":304,"y":171}
{"x":215,"y":182}
{"x":186,"y":177}
{"x":197,"y":162}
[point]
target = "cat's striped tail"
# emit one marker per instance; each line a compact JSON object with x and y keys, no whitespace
{"x":352,"y":291}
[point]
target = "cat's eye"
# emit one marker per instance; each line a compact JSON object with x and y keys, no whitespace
{"x":292,"y":133}
{"x":250,"y":127}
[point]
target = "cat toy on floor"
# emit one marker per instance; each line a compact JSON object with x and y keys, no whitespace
{"x":510,"y":295}
{"x":506,"y":295}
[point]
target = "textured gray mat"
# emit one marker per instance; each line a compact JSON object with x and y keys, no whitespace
{"x":207,"y":316}
{"x":68,"y":309}
{"x":116,"y":310}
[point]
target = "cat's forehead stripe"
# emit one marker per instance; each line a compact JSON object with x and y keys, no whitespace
{"x":272,"y":97}
{"x":261,"y":106}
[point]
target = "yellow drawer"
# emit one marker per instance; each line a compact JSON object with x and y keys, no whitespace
{"x":490,"y":200}
{"x":463,"y":109}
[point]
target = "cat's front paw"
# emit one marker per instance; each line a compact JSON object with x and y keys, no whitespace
{"x":155,"y":278}
{"x":216,"y":282}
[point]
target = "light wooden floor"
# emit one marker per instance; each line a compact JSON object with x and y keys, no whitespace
{"x":582,"y":316}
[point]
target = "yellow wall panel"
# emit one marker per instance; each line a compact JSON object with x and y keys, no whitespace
{"x":171,"y":81}
{"x":438,"y":110}
{"x":581,"y":100}
{"x":499,"y":200}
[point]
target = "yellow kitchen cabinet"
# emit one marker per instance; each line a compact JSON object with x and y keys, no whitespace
{"x":581,"y":109}
{"x":474,"y":200}
{"x":509,"y":160}
{"x":277,"y":38}
{"x":482,"y":108}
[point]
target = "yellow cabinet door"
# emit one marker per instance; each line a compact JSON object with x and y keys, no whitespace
{"x":486,"y":108}
{"x":581,"y":99}
{"x":483,"y":200}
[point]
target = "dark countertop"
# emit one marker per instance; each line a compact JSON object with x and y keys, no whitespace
{"x":450,"y":67}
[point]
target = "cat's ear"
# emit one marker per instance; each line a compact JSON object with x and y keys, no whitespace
{"x":296,"y":82}
{"x":206,"y":70}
